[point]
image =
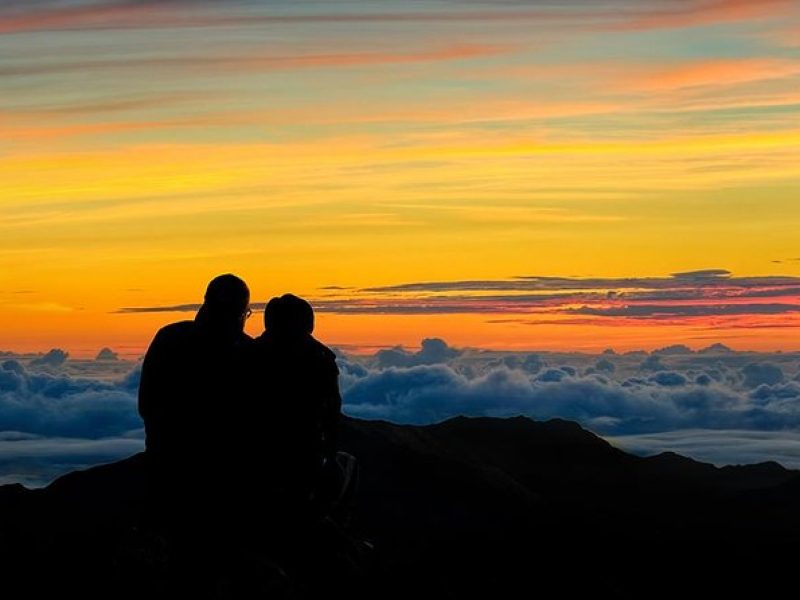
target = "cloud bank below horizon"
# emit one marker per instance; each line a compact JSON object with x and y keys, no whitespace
{"x":717,"y":404}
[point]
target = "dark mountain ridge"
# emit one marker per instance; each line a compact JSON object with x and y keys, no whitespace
{"x":465,"y":508}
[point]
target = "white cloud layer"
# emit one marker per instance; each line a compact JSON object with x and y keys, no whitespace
{"x":611,"y":394}
{"x":716,"y":405}
{"x":723,"y":447}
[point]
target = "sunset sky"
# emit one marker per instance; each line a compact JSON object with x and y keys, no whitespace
{"x":542,"y":174}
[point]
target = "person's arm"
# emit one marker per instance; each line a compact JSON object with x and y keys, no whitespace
{"x":150,"y":399}
{"x":332,"y":409}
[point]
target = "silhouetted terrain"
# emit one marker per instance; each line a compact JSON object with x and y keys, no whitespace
{"x":472,"y":507}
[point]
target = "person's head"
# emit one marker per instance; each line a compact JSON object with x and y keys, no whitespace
{"x":226,"y":302}
{"x":289,"y":315}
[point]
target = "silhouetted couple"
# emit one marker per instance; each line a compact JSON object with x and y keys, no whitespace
{"x":241,"y":433}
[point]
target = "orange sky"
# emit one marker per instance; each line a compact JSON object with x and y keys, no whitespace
{"x":149,"y":147}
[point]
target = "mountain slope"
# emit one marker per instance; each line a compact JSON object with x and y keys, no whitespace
{"x":465,"y":508}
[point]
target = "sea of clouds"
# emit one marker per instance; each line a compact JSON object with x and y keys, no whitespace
{"x":717,"y":405}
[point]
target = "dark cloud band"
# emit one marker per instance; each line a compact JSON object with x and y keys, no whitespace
{"x":702,"y":293}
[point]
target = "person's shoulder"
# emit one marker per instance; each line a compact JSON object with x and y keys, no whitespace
{"x":245,"y":339}
{"x":301,"y":348}
{"x":321,"y":348}
{"x":262,"y":345}
{"x":322,"y":351}
{"x":263,"y":340}
{"x":175,"y":332}
{"x":178,"y":328}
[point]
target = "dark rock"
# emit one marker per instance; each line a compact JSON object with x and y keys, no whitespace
{"x":471,"y":507}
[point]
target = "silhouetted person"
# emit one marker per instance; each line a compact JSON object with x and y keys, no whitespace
{"x":188,"y":398}
{"x":297,"y":391}
{"x":294,"y":381}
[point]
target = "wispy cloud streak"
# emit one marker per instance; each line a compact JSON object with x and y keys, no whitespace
{"x":264,"y":62}
{"x":688,"y":295}
{"x":696,"y":13}
{"x":152,"y":14}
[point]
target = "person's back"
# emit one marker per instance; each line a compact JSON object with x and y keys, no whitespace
{"x":309,"y":485}
{"x":297,"y":394}
{"x":187,"y":399}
